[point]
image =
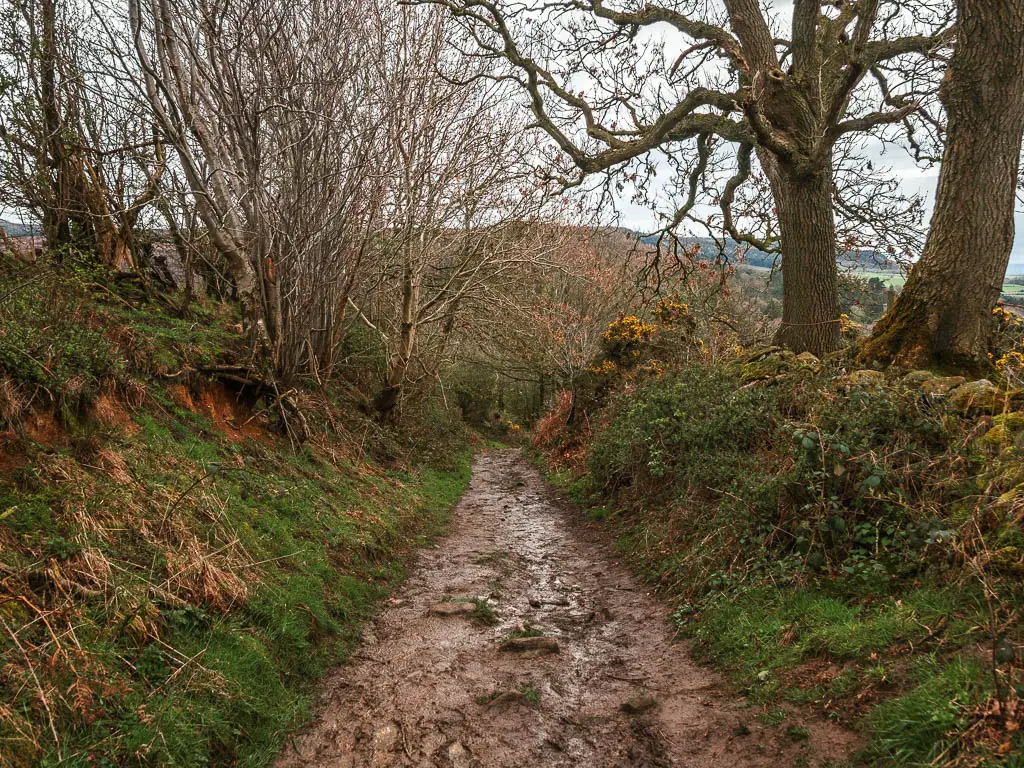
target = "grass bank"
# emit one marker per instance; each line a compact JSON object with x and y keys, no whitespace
{"x":833,"y":539}
{"x":175,"y":577}
{"x":172,"y":597}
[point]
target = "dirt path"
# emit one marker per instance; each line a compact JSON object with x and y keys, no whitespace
{"x":435,"y":690}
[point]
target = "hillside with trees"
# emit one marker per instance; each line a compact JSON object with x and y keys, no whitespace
{"x":343,"y":420}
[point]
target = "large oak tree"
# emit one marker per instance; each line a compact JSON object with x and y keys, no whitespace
{"x":781,"y":104}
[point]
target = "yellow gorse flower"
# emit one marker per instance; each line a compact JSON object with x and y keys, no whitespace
{"x":605,"y":368}
{"x":629,"y":329}
{"x":1012,"y":360}
{"x":669,"y":309}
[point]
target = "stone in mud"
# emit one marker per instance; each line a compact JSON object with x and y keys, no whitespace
{"x":639,"y":704}
{"x":532,"y":646}
{"x":458,"y":755}
{"x":505,"y":700}
{"x":452,"y":609}
{"x":385,"y":741}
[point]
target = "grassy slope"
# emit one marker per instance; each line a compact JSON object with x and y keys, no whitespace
{"x":193,"y":626}
{"x":882,"y":631}
{"x":171,"y":591}
{"x":862,"y":654}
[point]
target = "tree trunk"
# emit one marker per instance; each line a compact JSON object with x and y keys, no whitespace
{"x":943,"y":318}
{"x":810,"y":303}
{"x":56,"y":215}
{"x":386,"y":402}
{"x":248,"y":291}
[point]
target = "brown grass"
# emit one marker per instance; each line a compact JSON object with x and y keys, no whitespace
{"x":111,"y":412}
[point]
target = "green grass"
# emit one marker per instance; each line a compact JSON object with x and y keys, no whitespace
{"x":523,"y":632}
{"x":530,"y":694}
{"x":892,"y":279}
{"x":919,"y":726}
{"x":1012,"y":289}
{"x":750,"y":631}
{"x":226,"y":600}
{"x":483,"y":614}
{"x":897,"y":280}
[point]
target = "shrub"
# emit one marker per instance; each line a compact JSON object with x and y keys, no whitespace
{"x":870,"y":471}
{"x":695,"y":427}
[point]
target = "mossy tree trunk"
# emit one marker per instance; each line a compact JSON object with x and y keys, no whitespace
{"x":943,"y":317}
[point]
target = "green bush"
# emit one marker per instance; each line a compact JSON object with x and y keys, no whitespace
{"x":816,"y":535}
{"x":50,"y":338}
{"x":868,"y":470}
{"x":696,"y":427}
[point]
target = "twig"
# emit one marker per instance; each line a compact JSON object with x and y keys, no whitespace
{"x":186,"y":492}
{"x":405,"y":743}
{"x":39,"y":687}
{"x":625,"y":679}
{"x":104,"y":288}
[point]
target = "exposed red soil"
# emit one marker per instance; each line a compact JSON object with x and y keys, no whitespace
{"x":430,"y":686}
{"x":12,"y":454}
{"x":229,"y":413}
{"x":42,"y":427}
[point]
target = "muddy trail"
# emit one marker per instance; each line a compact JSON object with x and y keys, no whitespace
{"x":605,"y":683}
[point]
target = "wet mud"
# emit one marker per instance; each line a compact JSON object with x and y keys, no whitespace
{"x":521,"y":639}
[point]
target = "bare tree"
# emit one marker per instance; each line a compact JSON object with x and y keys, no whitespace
{"x":77,"y":151}
{"x":461,"y":201}
{"x":270,"y":108}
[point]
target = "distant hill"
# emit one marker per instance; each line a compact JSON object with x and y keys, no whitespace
{"x":758,"y":258}
{"x":709,"y":249}
{"x":14,"y":229}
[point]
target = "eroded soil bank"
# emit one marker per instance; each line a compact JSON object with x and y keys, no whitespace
{"x":437,"y":690}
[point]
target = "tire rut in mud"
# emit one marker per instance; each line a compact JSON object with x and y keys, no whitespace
{"x":433,"y":686}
